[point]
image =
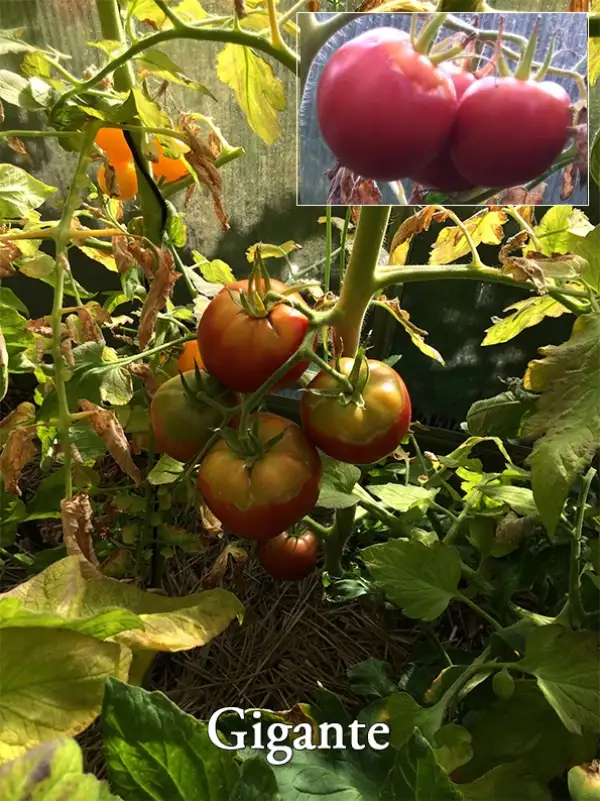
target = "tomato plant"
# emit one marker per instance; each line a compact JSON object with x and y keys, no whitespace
{"x":261,"y":495}
{"x":384,"y":109}
{"x":183,"y":424}
{"x":243,"y":348}
{"x":361,"y":426}
{"x":289,"y":557}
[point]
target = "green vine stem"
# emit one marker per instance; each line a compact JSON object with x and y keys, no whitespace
{"x":336,"y":539}
{"x":576,"y":610}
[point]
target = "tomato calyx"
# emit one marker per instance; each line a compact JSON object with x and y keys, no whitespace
{"x":205,"y":398}
{"x":351,"y":390}
{"x":245,"y":441}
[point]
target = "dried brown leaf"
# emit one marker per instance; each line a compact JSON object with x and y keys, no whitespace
{"x":415,"y":225}
{"x":524,"y":269}
{"x":146,"y":375}
{"x":211,"y":524}
{"x":579,"y":5}
{"x":515,"y":242}
{"x":215,"y":576}
{"x":144,"y":256}
{"x":18,"y":451}
{"x":22,"y":415}
{"x":106,"y":425}
{"x":161,"y":289}
{"x":8,"y":253}
{"x":124,"y":258}
{"x":41,"y":326}
{"x":18,"y":146}
{"x":202,"y":159}
{"x":90,"y":329}
{"x":349,"y":189}
{"x":76,"y":515}
{"x":67,"y":352}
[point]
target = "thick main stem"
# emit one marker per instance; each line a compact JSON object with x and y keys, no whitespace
{"x":359,"y":281}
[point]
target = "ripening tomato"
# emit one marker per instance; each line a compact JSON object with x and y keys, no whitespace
{"x":125,"y":180}
{"x":383,"y":108}
{"x":359,"y":432}
{"x":167,"y":168}
{"x":181,"y":426}
{"x":509,"y":131}
{"x":260,"y":498}
{"x":244,"y":351}
{"x":114,"y":144}
{"x":190,"y":355}
{"x":441,"y":174}
{"x":289,"y":557}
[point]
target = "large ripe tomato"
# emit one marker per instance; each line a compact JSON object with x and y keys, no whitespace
{"x":289,"y":557}
{"x":167,"y":168}
{"x":182,"y":427}
{"x":258,"y":500}
{"x":244,"y":351}
{"x":509,"y":131}
{"x":125,"y":180}
{"x":441,"y":174}
{"x":189,"y":356}
{"x":356,"y":432}
{"x":383,"y":108}
{"x":114,"y":144}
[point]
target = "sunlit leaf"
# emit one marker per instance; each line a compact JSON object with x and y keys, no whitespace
{"x":527,"y":313}
{"x":20,"y":192}
{"x":451,"y":244}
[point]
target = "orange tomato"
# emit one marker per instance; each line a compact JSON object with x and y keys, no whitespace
{"x":169,"y":169}
{"x":112,"y":141}
{"x":125,"y":180}
{"x":190,"y":355}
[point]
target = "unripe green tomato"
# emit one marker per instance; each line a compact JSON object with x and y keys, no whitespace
{"x":503,"y":685}
{"x":584,"y":782}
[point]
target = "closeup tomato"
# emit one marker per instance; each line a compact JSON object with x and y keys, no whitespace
{"x":112,"y":141}
{"x":441,"y":174}
{"x":509,"y":131}
{"x":258,"y":500}
{"x":383,"y":108}
{"x":244,"y":351}
{"x":190,"y":355}
{"x":182,"y":427}
{"x":289,"y":557}
{"x":125,"y":180}
{"x":357,"y":432}
{"x":167,"y":168}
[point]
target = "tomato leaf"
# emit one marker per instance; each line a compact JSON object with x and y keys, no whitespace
{"x":518,"y":498}
{"x":372,"y":677}
{"x":452,"y":746}
{"x":588,"y":246}
{"x":401,"y":497}
{"x":526,"y":313}
{"x":420,"y":579}
{"x":337,"y":484}
{"x":566,"y":421}
{"x":594,"y":55}
{"x":20,"y":192}
{"x":556,"y":228}
{"x":417,"y":775}
{"x":500,"y":416}
{"x":417,"y":335}
{"x":159,"y":65}
{"x":165,"y":471}
{"x":146,"y":734}
{"x":484,"y":227}
{"x":272,"y":251}
{"x":513,"y":780}
{"x":260,"y":94}
{"x":216,"y":271}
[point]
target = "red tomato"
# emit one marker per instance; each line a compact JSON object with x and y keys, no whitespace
{"x":509,"y":131}
{"x":383,"y":108}
{"x":261,"y":499}
{"x":244,"y":351}
{"x":349,"y":431}
{"x":182,"y":427}
{"x":289,"y":557}
{"x":441,"y":174}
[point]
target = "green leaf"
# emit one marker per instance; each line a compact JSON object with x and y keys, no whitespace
{"x":565,"y":664}
{"x":20,"y":192}
{"x":216,"y":271}
{"x":402,"y":497}
{"x":257,"y":782}
{"x":452,"y":746}
{"x":416,"y":775}
{"x":11,"y":42}
{"x":8,"y":298}
{"x":155,"y":751}
{"x":588,"y":246}
{"x":15,"y":89}
{"x":337,"y":484}
{"x":402,"y":713}
{"x":51,"y":772}
{"x":420,"y":579}
{"x":527,"y":313}
{"x":259,"y":93}
{"x":512,"y":781}
{"x":371,"y":677}
{"x":150,"y":113}
{"x":165,"y":471}
{"x":558,"y":225}
{"x":518,"y":498}
{"x":160,"y":66}
{"x":499,"y":416}
{"x":59,"y":693}
{"x":566,"y":421}
{"x":595,"y":159}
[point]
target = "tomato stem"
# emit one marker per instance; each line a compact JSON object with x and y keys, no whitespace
{"x":543,"y":70}
{"x":523,"y":71}
{"x":429,"y":32}
{"x":576,"y":610}
{"x":465,"y":231}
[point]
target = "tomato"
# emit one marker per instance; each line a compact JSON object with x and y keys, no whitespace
{"x":125,"y":180}
{"x":383,"y":108}
{"x":349,"y":431}
{"x":441,"y":174}
{"x":258,"y":500}
{"x":244,"y":351}
{"x":114,"y":144}
{"x":190,"y":355}
{"x":169,"y":169}
{"x":289,"y":557}
{"x":509,"y":131}
{"x":182,"y":427}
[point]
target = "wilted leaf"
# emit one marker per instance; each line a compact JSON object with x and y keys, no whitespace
{"x":202,"y":159}
{"x":415,"y":224}
{"x":557,"y":228}
{"x":22,"y":415}
{"x":146,"y":375}
{"x":217,"y":572}
{"x":537,"y":268}
{"x":527,"y":313}
{"x":272,"y":251}
{"x":18,"y":451}
{"x":349,"y":189}
{"x":105,"y":424}
{"x":8,"y":253}
{"x":76,"y":514}
{"x":161,"y":290}
{"x":484,"y":227}
{"x":417,"y":335}
{"x":521,"y":196}
{"x":210,"y":523}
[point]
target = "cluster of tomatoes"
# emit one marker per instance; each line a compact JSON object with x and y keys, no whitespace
{"x":123,"y":182}
{"x":388,"y":112}
{"x":261,"y":478}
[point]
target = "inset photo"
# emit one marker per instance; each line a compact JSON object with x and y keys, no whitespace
{"x":459,"y":109}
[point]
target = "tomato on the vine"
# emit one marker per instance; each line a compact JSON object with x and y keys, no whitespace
{"x":360,"y":430}
{"x":182,"y":425}
{"x":259,"y":497}
{"x":288,"y":556}
{"x":168,"y":168}
{"x":243,"y":351}
{"x":509,"y":131}
{"x":383,"y":108}
{"x":114,"y":144}
{"x":189,"y":356}
{"x":125,"y":185}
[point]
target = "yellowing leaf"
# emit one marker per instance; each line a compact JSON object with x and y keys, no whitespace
{"x":527,"y":313}
{"x":417,"y":335}
{"x":485,"y":227}
{"x":556,"y":227}
{"x":257,"y":90}
{"x":102,"y":256}
{"x":594,"y":59}
{"x":271,"y":251}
